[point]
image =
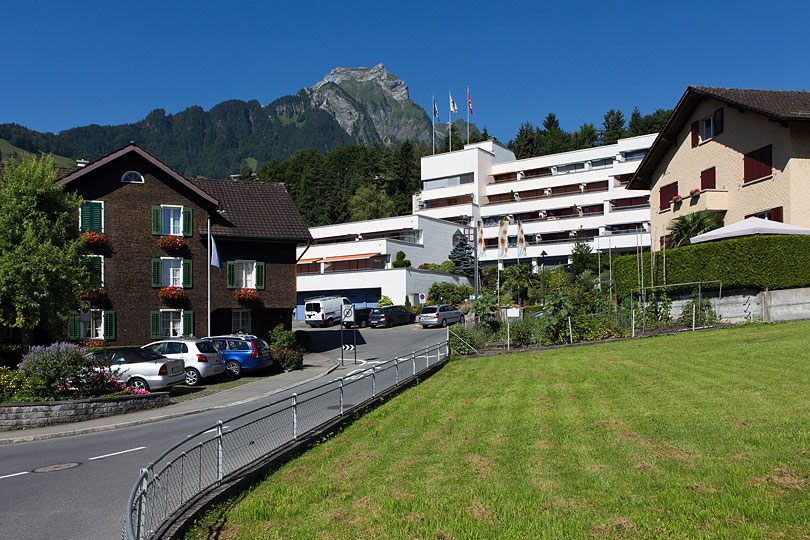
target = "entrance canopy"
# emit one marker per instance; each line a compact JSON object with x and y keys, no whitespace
{"x":749,"y":227}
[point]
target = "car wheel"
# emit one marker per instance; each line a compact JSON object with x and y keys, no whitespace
{"x":193,"y":377}
{"x":330,"y":323}
{"x":461,"y":320}
{"x":444,"y":323}
{"x":233,"y":369}
{"x":137,"y":383}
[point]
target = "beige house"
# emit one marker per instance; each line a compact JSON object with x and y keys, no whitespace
{"x":736,"y":152}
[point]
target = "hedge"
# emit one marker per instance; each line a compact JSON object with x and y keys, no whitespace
{"x":758,"y":262}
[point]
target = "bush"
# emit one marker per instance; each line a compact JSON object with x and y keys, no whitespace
{"x":522,"y":333}
{"x":288,"y":359}
{"x":53,"y":369}
{"x":303,"y":341}
{"x":433,"y":267}
{"x":282,"y":339}
{"x":704,"y":312}
{"x":464,"y":341}
{"x":447,"y":293}
{"x":401,"y":261}
{"x":14,"y":385}
{"x":448,"y":267}
{"x":384,"y":301}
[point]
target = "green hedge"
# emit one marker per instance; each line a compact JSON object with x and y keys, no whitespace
{"x":759,"y":262}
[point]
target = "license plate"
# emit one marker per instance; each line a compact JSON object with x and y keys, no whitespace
{"x":175,"y":371}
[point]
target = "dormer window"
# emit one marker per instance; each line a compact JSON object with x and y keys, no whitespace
{"x":132,"y":177}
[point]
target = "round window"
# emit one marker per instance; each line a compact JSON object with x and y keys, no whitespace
{"x":133,"y":177}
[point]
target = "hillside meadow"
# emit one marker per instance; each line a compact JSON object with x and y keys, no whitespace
{"x":697,"y":435}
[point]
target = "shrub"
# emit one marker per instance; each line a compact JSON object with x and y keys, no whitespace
{"x":464,"y":340}
{"x":303,"y":341}
{"x":14,"y":385}
{"x":401,"y":261}
{"x":448,"y":267}
{"x":282,"y":339}
{"x":52,"y":370}
{"x":522,"y":333}
{"x":288,"y":359}
{"x":384,"y":301}
{"x":704,"y":312}
{"x":447,"y":293}
{"x":433,"y":267}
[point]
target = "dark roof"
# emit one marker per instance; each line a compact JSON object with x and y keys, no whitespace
{"x":254,"y":210}
{"x":132,"y":147}
{"x":777,"y":105}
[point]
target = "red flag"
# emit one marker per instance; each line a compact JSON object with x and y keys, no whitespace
{"x":469,"y":101}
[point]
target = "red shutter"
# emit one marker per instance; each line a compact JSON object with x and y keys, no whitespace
{"x":776,"y":214}
{"x":758,"y":164}
{"x":765,"y":161}
{"x":718,"y":122}
{"x":707,"y":179}
{"x":667,"y":192}
{"x":695,"y":133}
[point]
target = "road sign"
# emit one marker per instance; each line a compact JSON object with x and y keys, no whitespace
{"x":422,"y":298}
{"x":348,"y":313}
{"x":84,"y":311}
{"x":348,"y":347}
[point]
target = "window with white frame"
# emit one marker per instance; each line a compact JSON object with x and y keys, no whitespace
{"x":707,"y":128}
{"x":93,"y":329}
{"x":132,"y":177}
{"x":172,"y":271}
{"x":246,"y":274}
{"x":240,"y":321}
{"x":171,"y":323}
{"x":172,"y":220}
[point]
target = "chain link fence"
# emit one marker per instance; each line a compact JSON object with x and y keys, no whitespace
{"x":208,"y":457}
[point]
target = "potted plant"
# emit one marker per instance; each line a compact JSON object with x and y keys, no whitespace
{"x":94,"y":294}
{"x":246,"y":296}
{"x":173,"y":243}
{"x":95,"y":239}
{"x":694,"y":193}
{"x":676,"y":199}
{"x":171,"y":294}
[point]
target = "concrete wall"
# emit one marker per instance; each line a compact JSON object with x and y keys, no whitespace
{"x":753,"y":305}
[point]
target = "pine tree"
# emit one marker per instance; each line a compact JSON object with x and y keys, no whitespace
{"x":463,"y":257}
{"x":613,"y":127}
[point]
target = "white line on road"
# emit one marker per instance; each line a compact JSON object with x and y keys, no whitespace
{"x":15,"y":474}
{"x":116,"y":453}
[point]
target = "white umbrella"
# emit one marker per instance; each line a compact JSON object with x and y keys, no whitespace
{"x":749,"y":227}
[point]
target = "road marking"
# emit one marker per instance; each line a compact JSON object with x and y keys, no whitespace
{"x":116,"y":453}
{"x":15,"y":474}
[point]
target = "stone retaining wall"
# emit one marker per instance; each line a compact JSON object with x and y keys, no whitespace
{"x":43,"y":413}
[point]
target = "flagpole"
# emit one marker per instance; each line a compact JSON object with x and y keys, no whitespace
{"x":209,"y":276}
{"x":450,"y":125}
{"x":468,"y":115}
{"x":433,"y":123}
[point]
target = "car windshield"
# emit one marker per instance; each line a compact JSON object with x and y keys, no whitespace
{"x":429,"y":310}
{"x":206,"y":347}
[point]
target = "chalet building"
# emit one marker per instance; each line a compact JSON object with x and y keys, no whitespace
{"x":734,"y":152}
{"x":147,"y":229}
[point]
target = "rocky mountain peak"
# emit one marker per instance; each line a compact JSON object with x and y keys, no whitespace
{"x":391,"y":85}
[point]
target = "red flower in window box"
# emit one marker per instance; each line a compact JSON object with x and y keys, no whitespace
{"x":246,"y":296}
{"x":694,"y":192}
{"x":173,"y":243}
{"x":676,"y":199}
{"x":94,"y":294}
{"x":95,"y":239}
{"x":90,"y":343}
{"x":171,"y":294}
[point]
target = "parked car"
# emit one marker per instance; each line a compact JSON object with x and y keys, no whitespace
{"x":389,"y":316}
{"x":202,"y":360}
{"x":324,"y":310}
{"x":440,"y":315}
{"x":360,"y":318}
{"x":242,"y":352}
{"x":143,"y":369}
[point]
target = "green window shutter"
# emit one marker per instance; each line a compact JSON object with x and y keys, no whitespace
{"x":109,"y":324}
{"x":231,"y":274}
{"x":73,"y":326}
{"x":259,"y":275}
{"x":154,"y":325}
{"x":157,"y":273}
{"x":93,"y":265}
{"x":84,"y":218}
{"x":188,"y":322}
{"x":187,"y":274}
{"x":157,"y":220}
{"x":96,"y":220}
{"x":188,"y":222}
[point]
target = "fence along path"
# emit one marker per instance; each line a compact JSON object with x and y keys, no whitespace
{"x":206,"y":458}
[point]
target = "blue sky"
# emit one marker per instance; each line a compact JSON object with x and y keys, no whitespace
{"x":76,"y":63}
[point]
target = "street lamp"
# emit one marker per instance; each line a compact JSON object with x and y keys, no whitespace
{"x":543,"y":274}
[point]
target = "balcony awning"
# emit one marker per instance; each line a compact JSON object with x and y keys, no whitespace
{"x":351,"y":257}
{"x":307,"y":261}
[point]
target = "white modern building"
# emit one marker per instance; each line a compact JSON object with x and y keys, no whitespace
{"x":356,"y":260}
{"x":555,"y":197}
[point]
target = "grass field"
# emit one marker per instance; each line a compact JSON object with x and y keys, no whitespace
{"x":686,"y":436}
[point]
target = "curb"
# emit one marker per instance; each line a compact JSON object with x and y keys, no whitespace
{"x":83,"y":431}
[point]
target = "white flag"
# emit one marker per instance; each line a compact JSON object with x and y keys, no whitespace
{"x":215,"y":261}
{"x":453,"y":106}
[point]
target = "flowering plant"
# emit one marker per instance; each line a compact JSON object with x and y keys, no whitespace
{"x":94,"y":343}
{"x":94,"y":294}
{"x":694,"y":192}
{"x":168,"y":294}
{"x":172,"y":243}
{"x":677,"y":199}
{"x":246,"y":295}
{"x":95,"y":239}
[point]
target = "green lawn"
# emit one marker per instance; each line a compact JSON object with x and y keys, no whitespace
{"x":685,"y":436}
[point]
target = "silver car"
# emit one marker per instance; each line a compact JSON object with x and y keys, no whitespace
{"x":201,"y":358}
{"x":440,"y":315}
{"x":141,"y":369}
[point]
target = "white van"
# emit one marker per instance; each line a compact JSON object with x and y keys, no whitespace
{"x":324,"y":310}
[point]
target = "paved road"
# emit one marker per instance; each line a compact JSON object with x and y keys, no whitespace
{"x":77,"y":486}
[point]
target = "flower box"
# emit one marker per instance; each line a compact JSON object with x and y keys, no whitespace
{"x":694,"y":192}
{"x":171,"y":294}
{"x":676,"y":199}
{"x":173,"y":243}
{"x":95,"y":239}
{"x":246,"y":296}
{"x":94,"y":294}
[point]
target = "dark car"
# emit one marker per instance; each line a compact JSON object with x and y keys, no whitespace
{"x":360,"y":318}
{"x":242,"y":352}
{"x":389,"y":316}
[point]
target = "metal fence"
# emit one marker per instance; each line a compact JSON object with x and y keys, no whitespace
{"x":206,"y":458}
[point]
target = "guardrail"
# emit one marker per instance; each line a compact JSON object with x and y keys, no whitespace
{"x":206,"y":458}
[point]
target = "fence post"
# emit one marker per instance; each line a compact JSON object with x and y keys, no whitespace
{"x":141,"y":504}
{"x":373,"y":381}
{"x":633,"y":322}
{"x":413,"y":357}
{"x":295,"y":416}
{"x":396,"y":371}
{"x":219,"y":451}
{"x":570,"y":332}
{"x":693,"y":317}
{"x":341,"y":396}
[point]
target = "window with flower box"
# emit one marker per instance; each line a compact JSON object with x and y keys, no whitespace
{"x":172,"y":220}
{"x":172,"y":272}
{"x":171,"y":323}
{"x":91,"y":216}
{"x":244,"y":274}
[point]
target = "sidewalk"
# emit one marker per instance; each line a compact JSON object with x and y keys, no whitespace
{"x":316,"y":365}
